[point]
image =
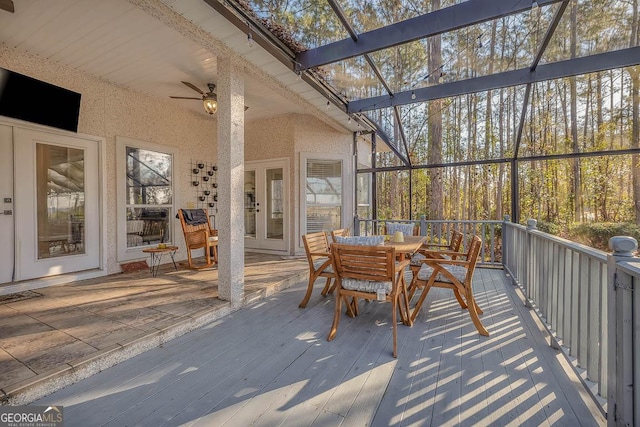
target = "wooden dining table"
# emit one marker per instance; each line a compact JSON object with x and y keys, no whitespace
{"x":407,"y":248}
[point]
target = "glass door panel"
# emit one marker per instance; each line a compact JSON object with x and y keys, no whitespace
{"x":58,"y":198}
{"x":250,"y":203}
{"x":265,"y":205}
{"x":275,"y":201}
{"x":60,"y":201}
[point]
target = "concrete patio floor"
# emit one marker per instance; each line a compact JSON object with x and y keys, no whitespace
{"x":55,"y":336}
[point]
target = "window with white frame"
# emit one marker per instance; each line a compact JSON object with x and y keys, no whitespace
{"x":323,"y":189}
{"x":145,"y":210}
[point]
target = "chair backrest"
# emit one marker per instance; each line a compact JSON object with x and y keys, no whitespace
{"x":374,"y":263}
{"x":472,"y":256}
{"x":315,"y":244}
{"x":193,"y":232}
{"x":407,"y":228}
{"x":456,"y":240}
{"x":342,"y":232}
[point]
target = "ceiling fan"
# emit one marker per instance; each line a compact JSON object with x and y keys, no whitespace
{"x":7,"y":5}
{"x":209,"y":99}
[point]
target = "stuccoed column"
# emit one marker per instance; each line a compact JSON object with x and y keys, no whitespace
{"x":230,"y":220}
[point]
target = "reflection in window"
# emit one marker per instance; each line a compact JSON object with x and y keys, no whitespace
{"x":323,"y":195}
{"x":363,"y":195}
{"x":275,"y":199}
{"x":149,"y":197}
{"x":60,"y":201}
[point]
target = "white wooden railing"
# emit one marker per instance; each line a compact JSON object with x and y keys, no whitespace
{"x":588,"y":300}
{"x":565,"y":283}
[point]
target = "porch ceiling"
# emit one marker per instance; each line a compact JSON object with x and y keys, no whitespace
{"x":149,"y":46}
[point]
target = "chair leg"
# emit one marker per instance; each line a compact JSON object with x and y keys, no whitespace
{"x":418,"y":305}
{"x":336,"y":317}
{"x":407,"y":314}
{"x":333,"y":286}
{"x":305,"y":300}
{"x":207,"y":255}
{"x":189,"y":260}
{"x":327,"y":286}
{"x":394,"y":325}
{"x":459,"y":298}
{"x":412,"y":286}
{"x":352,"y":309}
{"x":474,"y":314}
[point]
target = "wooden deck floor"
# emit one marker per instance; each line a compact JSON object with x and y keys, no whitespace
{"x":270,"y":364}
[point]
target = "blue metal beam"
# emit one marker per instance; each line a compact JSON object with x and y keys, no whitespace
{"x":555,"y":70}
{"x":461,"y":15}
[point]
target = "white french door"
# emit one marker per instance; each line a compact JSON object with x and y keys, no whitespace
{"x":56,"y":205}
{"x":266,"y":216}
{"x":6,"y":206}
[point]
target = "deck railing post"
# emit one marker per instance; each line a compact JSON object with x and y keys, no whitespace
{"x":620,"y":297}
{"x":423,"y":225}
{"x":356,"y":226}
{"x":528,"y":271}
{"x":506,"y":250}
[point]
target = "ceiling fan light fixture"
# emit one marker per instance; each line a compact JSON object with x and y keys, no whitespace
{"x":210,"y":103}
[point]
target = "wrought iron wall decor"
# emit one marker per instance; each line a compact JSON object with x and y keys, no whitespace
{"x":203,"y":182}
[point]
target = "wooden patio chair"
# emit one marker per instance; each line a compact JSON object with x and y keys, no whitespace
{"x":434,"y":250}
{"x":372,"y":273}
{"x":342,"y":232}
{"x":316,"y":246}
{"x":198,"y":234}
{"x":455,"y":274}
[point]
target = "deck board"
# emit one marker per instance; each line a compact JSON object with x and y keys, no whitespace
{"x":270,"y":364}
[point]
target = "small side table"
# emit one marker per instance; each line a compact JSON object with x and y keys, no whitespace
{"x":156,"y":257}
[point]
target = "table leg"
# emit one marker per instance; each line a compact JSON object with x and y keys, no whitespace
{"x":155,"y":263}
{"x":173,"y":253}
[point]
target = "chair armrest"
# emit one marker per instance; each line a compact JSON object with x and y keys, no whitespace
{"x":432,"y":262}
{"x":402,"y":264}
{"x":441,"y":253}
{"x":434,"y":245}
{"x":327,"y":254}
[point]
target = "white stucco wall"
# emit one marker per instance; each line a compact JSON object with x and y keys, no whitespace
{"x":286,"y":137}
{"x":107,"y":111}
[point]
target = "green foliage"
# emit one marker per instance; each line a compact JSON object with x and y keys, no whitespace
{"x":597,"y":235}
{"x":549,"y":228}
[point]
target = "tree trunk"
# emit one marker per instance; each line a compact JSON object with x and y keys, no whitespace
{"x":576,"y":184}
{"x":634,"y":72}
{"x":435,"y":210}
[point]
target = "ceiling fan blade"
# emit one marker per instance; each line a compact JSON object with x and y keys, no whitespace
{"x":194,"y":87}
{"x":7,"y":5}
{"x":185,"y":97}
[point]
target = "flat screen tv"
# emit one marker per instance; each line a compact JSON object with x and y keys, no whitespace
{"x":35,"y":101}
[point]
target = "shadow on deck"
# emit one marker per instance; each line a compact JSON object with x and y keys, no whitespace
{"x":55,"y":336}
{"x":270,"y":364}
